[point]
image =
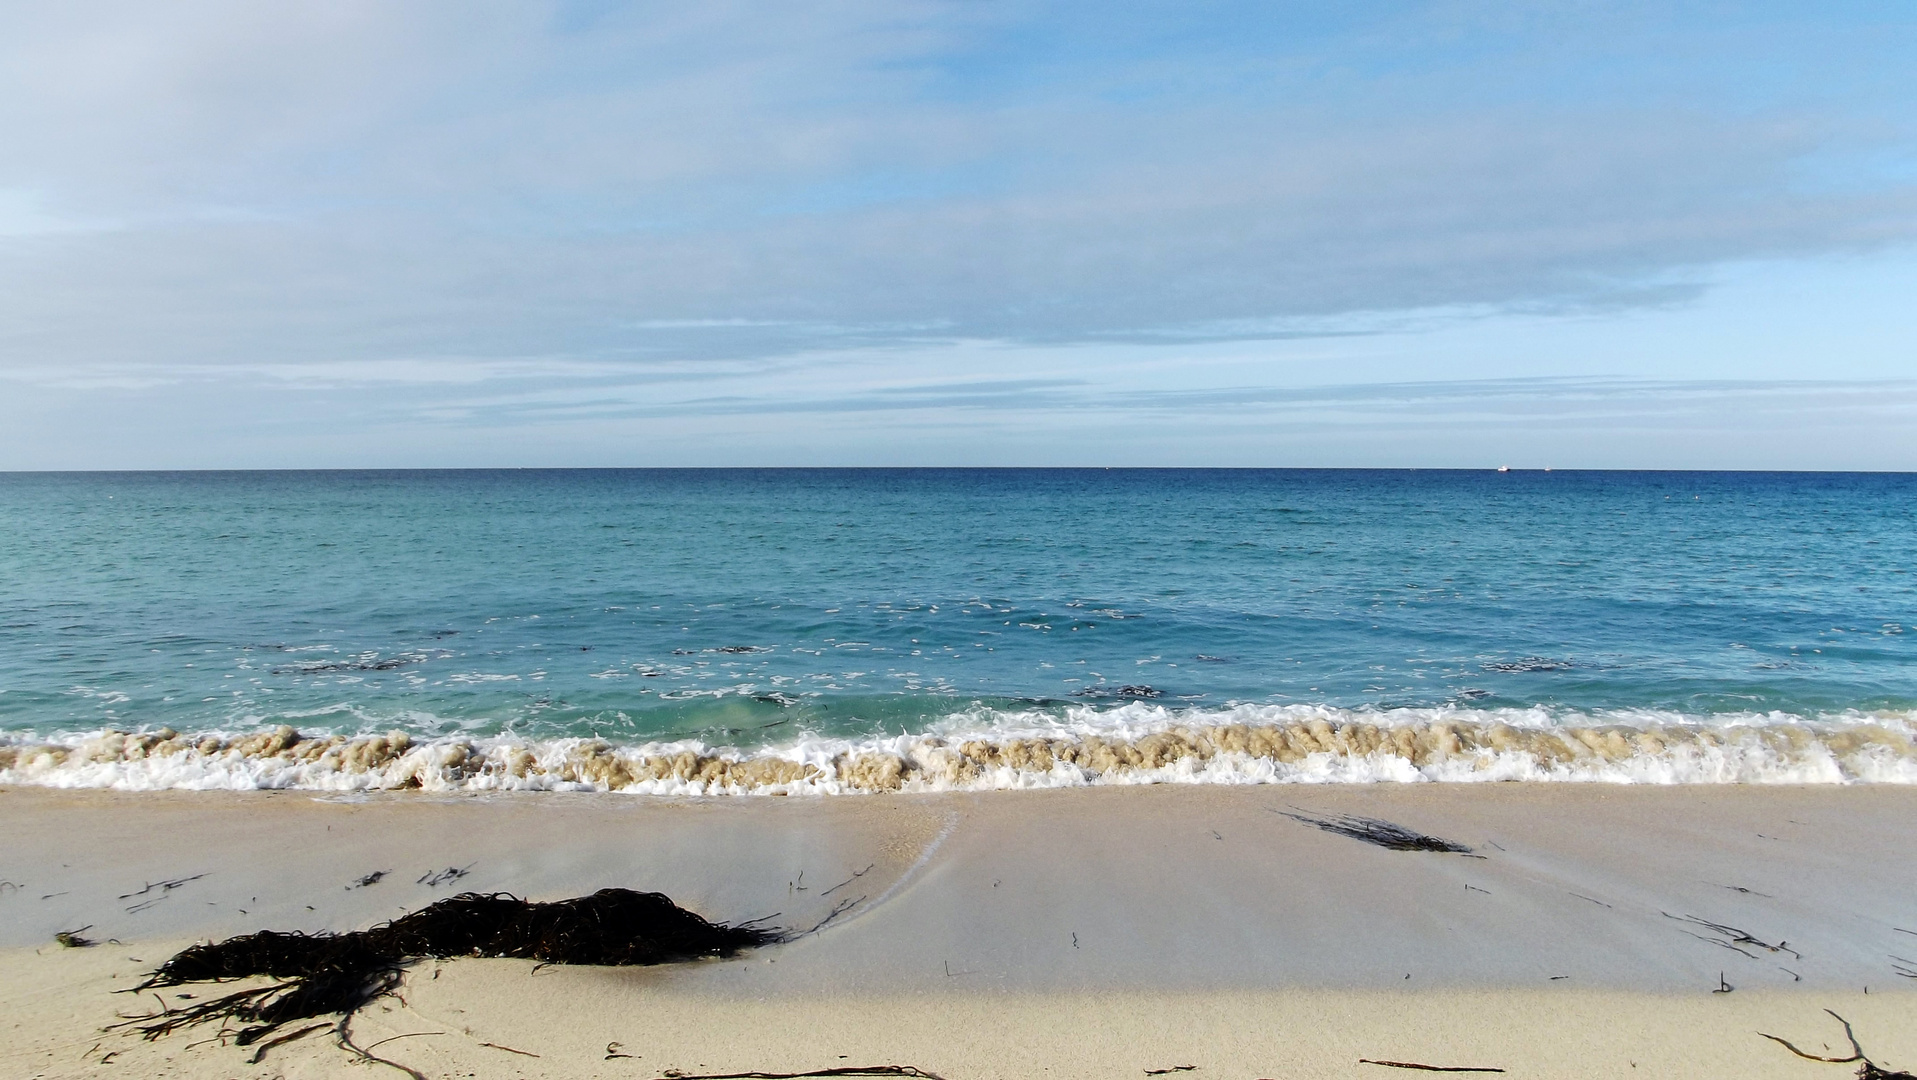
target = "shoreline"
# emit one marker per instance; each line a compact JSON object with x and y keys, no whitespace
{"x":1138,"y":743}
{"x":1077,"y":930}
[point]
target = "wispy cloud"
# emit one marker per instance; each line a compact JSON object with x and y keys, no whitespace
{"x":551,"y":210}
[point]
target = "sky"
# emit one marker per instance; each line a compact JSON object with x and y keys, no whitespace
{"x":501,"y":233}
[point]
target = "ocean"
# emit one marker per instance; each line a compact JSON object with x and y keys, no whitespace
{"x":797,"y":631}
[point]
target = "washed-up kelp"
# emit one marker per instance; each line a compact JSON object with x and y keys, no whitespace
{"x":323,"y":974}
{"x":1866,"y":1068}
{"x":1382,"y":833}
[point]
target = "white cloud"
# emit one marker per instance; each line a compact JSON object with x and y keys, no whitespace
{"x":25,"y":213}
{"x":542,"y":209}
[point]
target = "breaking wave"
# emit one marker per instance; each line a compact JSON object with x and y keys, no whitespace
{"x":996,"y":749}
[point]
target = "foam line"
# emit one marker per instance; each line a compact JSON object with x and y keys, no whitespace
{"x":986,"y":749}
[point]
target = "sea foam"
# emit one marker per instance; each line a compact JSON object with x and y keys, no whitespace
{"x":983,"y":749}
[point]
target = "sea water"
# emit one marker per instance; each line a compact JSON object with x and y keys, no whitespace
{"x":785,"y":631}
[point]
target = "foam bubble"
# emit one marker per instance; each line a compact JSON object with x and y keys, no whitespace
{"x":990,"y":749}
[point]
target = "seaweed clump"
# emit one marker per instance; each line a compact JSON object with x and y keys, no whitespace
{"x":1385,"y":834}
{"x":324,"y":974}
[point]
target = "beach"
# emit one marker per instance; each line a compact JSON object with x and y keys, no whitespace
{"x":1246,"y":774}
{"x":1590,"y":930}
{"x":954,"y":541}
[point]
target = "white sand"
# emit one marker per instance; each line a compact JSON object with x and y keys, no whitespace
{"x":1066,"y":933}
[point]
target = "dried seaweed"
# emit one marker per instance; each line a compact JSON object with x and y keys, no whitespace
{"x":324,"y":974}
{"x":1385,"y":834}
{"x":1866,"y":1068}
{"x":508,"y":1049}
{"x":1421,"y":1067}
{"x":1732,"y":938}
{"x":165,"y":890}
{"x":433,"y":879}
{"x":71,"y":939}
{"x":844,"y":1070}
{"x":281,"y":1040}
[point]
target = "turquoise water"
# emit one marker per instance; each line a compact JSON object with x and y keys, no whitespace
{"x":750,"y":608}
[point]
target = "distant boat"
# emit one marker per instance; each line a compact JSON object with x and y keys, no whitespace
{"x":1504,"y":468}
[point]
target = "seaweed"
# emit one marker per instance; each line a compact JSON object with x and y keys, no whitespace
{"x":433,"y":879}
{"x":1421,"y":1067}
{"x":1731,"y":937}
{"x":71,"y":939}
{"x":1866,"y":1069}
{"x":1385,"y":834}
{"x":165,"y":890}
{"x":843,"y":1070}
{"x":1134,"y":691}
{"x":338,"y":974}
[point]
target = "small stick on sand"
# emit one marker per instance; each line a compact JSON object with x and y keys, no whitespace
{"x":853,"y":1070}
{"x":510,"y":1050}
{"x":260,"y":1054}
{"x":848,"y":881}
{"x":166,"y":889}
{"x":408,"y":1035}
{"x":1868,"y":1070}
{"x":345,"y":1036}
{"x":1733,"y":937}
{"x":838,"y":909}
{"x":433,"y":879}
{"x":1428,"y":1068}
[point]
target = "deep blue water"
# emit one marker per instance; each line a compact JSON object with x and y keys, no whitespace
{"x":740,"y":605}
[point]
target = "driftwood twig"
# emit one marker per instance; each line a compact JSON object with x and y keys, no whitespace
{"x":1428,"y":1068}
{"x":260,"y":1053}
{"x":1866,"y":1069}
{"x":345,"y":1036}
{"x":510,"y":1050}
{"x":1732,"y":936}
{"x":844,"y":1070}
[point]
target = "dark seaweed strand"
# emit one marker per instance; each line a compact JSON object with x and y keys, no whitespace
{"x":1866,"y":1068}
{"x":1382,"y":833}
{"x":844,"y":1070}
{"x":324,"y":974}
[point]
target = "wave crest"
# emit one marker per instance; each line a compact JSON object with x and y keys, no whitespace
{"x":985,"y":749}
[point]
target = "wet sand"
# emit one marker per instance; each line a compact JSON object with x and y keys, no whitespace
{"x":1099,"y":932}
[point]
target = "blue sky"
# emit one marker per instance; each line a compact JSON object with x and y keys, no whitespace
{"x":874,"y":232}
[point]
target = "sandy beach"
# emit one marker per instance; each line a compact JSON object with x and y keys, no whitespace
{"x":1097,"y":932}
